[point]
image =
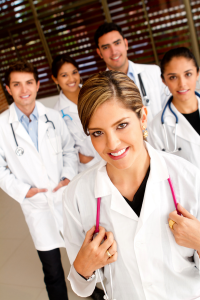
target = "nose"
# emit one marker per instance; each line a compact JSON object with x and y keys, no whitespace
{"x":182,"y":81}
{"x":112,"y":141}
{"x":113,"y":50}
{"x":71,"y":78}
{"x":24,"y":88}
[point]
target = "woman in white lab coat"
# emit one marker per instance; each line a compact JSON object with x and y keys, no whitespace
{"x":66,"y":76}
{"x":176,"y":129}
{"x":149,"y":260}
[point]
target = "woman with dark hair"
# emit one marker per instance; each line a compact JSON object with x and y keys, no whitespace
{"x":176,"y":129}
{"x":136,"y":253}
{"x":66,"y":75}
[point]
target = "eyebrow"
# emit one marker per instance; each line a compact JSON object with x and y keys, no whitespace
{"x":176,"y":73}
{"x":119,"y":121}
{"x":66,"y":72}
{"x":110,"y":43}
{"x":20,"y":81}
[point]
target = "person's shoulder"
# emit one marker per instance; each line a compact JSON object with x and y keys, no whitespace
{"x":180,"y":166}
{"x":4,"y":116}
{"x":82,"y":182}
{"x":156,"y":121}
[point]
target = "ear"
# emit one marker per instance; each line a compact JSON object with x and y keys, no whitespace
{"x":38,"y":85}
{"x":8,"y":90}
{"x":54,"y":79}
{"x":126,"y":43}
{"x":144,"y":117}
{"x":99,"y":52}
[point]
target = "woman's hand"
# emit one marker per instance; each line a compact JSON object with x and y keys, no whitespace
{"x":85,"y":159}
{"x":92,"y":255}
{"x":186,"y":230}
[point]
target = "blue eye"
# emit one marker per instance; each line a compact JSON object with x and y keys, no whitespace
{"x":122,"y":125}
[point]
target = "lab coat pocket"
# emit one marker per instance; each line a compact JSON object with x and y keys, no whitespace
{"x":182,"y":257}
{"x":38,"y":201}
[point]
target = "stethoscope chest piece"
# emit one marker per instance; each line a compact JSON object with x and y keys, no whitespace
{"x":19,"y":151}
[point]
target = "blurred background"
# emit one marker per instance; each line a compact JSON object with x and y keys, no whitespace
{"x":38,"y":30}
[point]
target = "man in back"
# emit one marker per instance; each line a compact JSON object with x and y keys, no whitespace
{"x":37,"y":160}
{"x":112,"y":47}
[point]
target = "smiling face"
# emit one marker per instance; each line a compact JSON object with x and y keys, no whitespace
{"x":180,"y":75}
{"x":113,"y":50}
{"x":68,"y":78}
{"x":116,"y":134}
{"x":23,"y":88}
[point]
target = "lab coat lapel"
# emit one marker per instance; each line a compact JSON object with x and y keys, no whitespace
{"x":184,"y":128}
{"x":104,"y":187}
{"x":138,"y":68}
{"x":18,"y":128}
{"x":158,"y":173}
{"x":42,"y":125}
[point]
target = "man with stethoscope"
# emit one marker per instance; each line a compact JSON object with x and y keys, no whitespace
{"x":37,"y":159}
{"x":112,"y":47}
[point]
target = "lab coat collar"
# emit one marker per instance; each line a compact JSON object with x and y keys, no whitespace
{"x":104,"y":186}
{"x":184,"y":128}
{"x":64,"y":102}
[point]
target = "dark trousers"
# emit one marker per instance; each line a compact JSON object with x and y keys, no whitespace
{"x":54,"y":277}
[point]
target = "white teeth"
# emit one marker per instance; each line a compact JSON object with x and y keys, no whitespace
{"x":71,"y":84}
{"x":116,"y":57}
{"x":119,"y":153}
{"x":25,"y":96}
{"x":183,"y":91}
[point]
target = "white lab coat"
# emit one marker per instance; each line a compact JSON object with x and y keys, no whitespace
{"x":187,"y":137}
{"x":155,"y":88}
{"x":150,"y":265}
{"x":83,"y":142}
{"x":41,"y":169}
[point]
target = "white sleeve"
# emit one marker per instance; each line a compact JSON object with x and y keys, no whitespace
{"x":70,"y":159}
{"x":74,"y":236}
{"x":14,"y":187}
{"x":197,"y":260}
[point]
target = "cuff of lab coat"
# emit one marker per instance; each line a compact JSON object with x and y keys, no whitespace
{"x":197,"y":260}
{"x":79,"y":285}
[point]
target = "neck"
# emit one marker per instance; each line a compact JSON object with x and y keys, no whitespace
{"x":27,"y":110}
{"x":132,"y":176}
{"x":72,"y":96}
{"x":186,"y":107}
{"x":123,"y":69}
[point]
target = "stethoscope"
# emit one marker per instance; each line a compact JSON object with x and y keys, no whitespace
{"x":20,"y":151}
{"x":106,"y":297}
{"x":146,"y":100}
{"x":176,"y":124}
{"x":66,"y":115}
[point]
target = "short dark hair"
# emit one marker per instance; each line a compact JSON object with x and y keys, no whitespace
{"x":59,"y":61}
{"x":21,"y":66}
{"x":105,"y":28}
{"x":177,"y":52}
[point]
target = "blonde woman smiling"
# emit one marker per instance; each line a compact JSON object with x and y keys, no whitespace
{"x":148,"y":259}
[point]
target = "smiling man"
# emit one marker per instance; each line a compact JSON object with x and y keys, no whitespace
{"x":112,"y":47}
{"x":37,"y":160}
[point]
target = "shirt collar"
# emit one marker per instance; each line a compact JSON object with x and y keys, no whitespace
{"x":158,"y":172}
{"x":130,"y":72}
{"x":21,"y":115}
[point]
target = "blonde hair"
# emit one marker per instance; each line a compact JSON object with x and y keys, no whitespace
{"x":106,"y":86}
